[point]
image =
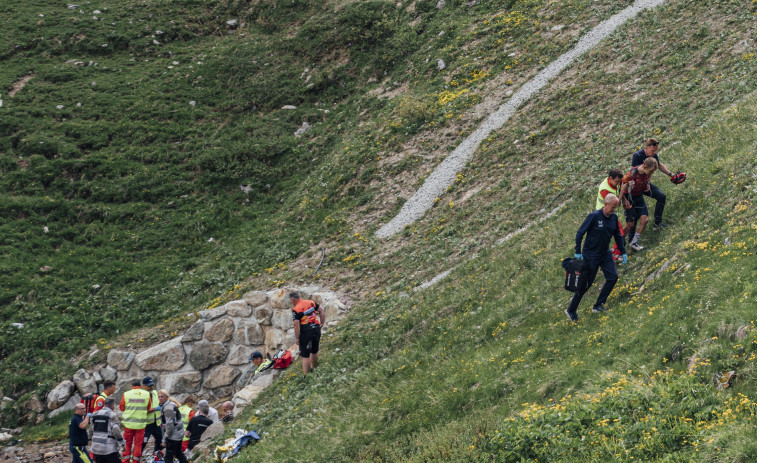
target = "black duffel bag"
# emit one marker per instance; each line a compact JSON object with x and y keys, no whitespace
{"x":574,"y":270}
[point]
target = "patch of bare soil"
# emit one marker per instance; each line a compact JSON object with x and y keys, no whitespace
{"x":19,"y":84}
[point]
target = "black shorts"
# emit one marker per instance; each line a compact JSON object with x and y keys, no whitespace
{"x":310,"y":339}
{"x":638,"y":209}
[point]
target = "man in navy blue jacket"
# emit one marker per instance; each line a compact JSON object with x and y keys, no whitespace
{"x":599,"y":227}
{"x":637,"y":159}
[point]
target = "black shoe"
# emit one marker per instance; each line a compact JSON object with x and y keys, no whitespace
{"x":660,"y":226}
{"x":599,"y":308}
{"x":573,"y":317}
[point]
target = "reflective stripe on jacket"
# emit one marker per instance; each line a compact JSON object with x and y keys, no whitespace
{"x":135,"y":408}
{"x":104,"y":442}
{"x":153,"y":417}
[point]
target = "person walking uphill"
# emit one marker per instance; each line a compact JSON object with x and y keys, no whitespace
{"x":307,"y":318}
{"x":173,"y":428}
{"x":599,"y":227}
{"x":134,"y":404}
{"x":637,"y":159}
{"x":105,"y":433}
{"x":77,"y":435}
{"x":635,"y":183}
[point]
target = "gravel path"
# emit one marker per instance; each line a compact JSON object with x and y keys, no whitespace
{"x":444,"y":175}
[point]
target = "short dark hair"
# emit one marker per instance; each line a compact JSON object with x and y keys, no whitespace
{"x":615,"y":173}
{"x":109,"y":402}
{"x":108,"y":384}
{"x":294,"y":295}
{"x":136,"y":382}
{"x":204,"y":409}
{"x":652,"y":142}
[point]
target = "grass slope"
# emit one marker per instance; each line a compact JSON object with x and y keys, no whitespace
{"x":135,"y":182}
{"x":485,"y":365}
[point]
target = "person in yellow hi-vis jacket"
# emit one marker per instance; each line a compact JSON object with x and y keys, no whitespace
{"x":134,"y":404}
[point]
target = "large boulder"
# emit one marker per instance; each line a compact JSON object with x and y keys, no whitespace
{"x":35,"y":404}
{"x":255,"y":298}
{"x":166,"y":356}
{"x":220,"y":376}
{"x":249,"y":333}
{"x":282,"y":319}
{"x":220,"y":331}
{"x":243,"y":397}
{"x":194,"y":333}
{"x":274,"y":340}
{"x":120,"y":359}
{"x":84,"y":382}
{"x":66,"y":407}
{"x":289,"y":337}
{"x":265,"y":378}
{"x":334,"y":309}
{"x":108,"y":373}
{"x":215,"y":429}
{"x":182,"y":383}
{"x":238,"y":309}
{"x":263,"y":314}
{"x":212,"y":314}
{"x":60,"y":394}
{"x":205,"y":354}
{"x":280,"y":299}
{"x":239,"y":355}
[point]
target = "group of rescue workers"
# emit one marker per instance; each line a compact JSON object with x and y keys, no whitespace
{"x":602,"y":225}
{"x":175,"y":427}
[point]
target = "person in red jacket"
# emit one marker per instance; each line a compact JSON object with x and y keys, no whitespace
{"x":307,"y":318}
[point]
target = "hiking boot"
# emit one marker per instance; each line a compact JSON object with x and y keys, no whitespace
{"x":636,"y":246}
{"x":660,"y":226}
{"x":573,"y":317}
{"x":599,"y":308}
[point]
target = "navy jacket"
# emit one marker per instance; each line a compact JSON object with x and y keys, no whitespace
{"x":599,"y":230}
{"x":638,"y":158}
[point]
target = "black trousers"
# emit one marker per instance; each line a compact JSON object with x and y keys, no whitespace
{"x":152,"y":429}
{"x":173,"y":449}
{"x":593,"y":264}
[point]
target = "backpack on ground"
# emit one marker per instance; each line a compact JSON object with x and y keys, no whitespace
{"x":89,"y":402}
{"x":282,"y":359}
{"x":574,"y":269}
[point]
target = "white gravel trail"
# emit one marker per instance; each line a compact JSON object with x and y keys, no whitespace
{"x":444,"y":175}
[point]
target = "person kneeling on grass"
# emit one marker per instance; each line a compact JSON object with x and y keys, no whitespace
{"x":599,"y":227}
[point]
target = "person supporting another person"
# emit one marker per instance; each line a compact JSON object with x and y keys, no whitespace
{"x":307,"y":329}
{"x":105,"y":433}
{"x":198,"y":425}
{"x":134,"y":404}
{"x":637,"y":159}
{"x":635,"y":183}
{"x":599,"y":227}
{"x":77,"y":435}
{"x":173,"y":428}
{"x":609,"y":185}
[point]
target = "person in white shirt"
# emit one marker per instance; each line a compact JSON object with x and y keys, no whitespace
{"x":213,"y":413}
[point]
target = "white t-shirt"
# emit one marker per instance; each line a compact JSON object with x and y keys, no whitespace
{"x":213,"y":414}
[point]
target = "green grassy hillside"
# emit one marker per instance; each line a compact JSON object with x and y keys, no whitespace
{"x":133,"y":183}
{"x":486,"y":363}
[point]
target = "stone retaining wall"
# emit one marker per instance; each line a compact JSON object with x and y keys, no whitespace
{"x":212,"y":358}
